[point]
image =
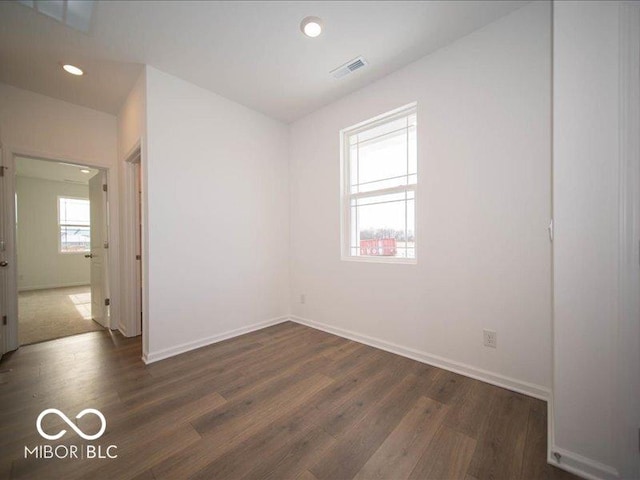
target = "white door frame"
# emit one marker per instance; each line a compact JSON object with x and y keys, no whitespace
{"x":9,"y":154}
{"x":129,"y":323}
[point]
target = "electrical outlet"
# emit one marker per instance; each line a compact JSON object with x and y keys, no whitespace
{"x":490,"y":338}
{"x":303,"y":298}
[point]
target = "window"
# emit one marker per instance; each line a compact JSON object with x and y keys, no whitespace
{"x":74,"y":225}
{"x":380,"y":174}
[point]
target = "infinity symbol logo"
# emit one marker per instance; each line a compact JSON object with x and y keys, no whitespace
{"x":72,"y":425}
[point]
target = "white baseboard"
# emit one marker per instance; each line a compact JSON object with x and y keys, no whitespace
{"x":49,"y":287}
{"x":185,"y":347}
{"x":582,"y":466}
{"x":530,"y":389}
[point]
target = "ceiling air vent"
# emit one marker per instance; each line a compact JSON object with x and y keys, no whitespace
{"x":347,"y":68}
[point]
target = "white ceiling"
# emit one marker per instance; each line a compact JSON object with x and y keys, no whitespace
{"x":249,"y":51}
{"x":47,"y":170}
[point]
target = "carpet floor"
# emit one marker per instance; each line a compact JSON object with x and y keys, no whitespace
{"x":54,"y":313}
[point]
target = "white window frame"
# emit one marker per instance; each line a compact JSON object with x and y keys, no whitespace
{"x":60,"y":225}
{"x":346,"y":195}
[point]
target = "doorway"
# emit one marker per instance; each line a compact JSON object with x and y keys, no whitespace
{"x":61,"y":232}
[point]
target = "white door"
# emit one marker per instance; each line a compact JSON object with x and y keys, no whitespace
{"x":3,"y":294}
{"x":98,"y":255}
{"x":138,"y":236}
{"x":5,"y":259}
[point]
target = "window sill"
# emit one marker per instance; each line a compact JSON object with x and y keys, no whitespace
{"x":401,"y":261}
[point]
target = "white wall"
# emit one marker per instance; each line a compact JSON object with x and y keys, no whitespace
{"x":217,"y":216}
{"x":40,"y":264}
{"x":132,"y":118}
{"x":482,"y":211}
{"x":34,"y":122}
{"x":596,"y":401}
{"x":35,"y":125}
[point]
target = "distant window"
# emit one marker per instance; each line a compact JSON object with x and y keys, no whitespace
{"x":74,"y":223}
{"x":380,"y":174}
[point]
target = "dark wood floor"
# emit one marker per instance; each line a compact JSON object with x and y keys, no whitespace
{"x":287,"y":402}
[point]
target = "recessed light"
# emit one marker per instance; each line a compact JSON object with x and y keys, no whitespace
{"x":73,"y":70}
{"x":84,"y":170}
{"x":311,"y":26}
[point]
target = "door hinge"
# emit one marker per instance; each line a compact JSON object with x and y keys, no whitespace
{"x":107,"y":302}
{"x":4,"y":319}
{"x":105,"y":244}
{"x":551,"y":230}
{"x":2,"y":171}
{"x":104,"y":187}
{"x":138,"y":257}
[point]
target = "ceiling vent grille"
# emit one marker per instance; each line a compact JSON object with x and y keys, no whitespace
{"x":347,"y":68}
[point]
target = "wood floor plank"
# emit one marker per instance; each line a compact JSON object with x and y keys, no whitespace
{"x":500,"y":448}
{"x":260,"y":447}
{"x":240,"y":419}
{"x":146,"y":475}
{"x":345,"y":414}
{"x":310,"y":358}
{"x":144,"y":454}
{"x":287,"y":460}
{"x":283,"y":402}
{"x":401,"y":450}
{"x":229,"y":369}
{"x":359,"y":442}
{"x":535,"y":452}
{"x":448,"y":456}
{"x":448,"y":387}
{"x":237,"y":416}
{"x":472,"y":410}
{"x":306,"y":475}
{"x":534,"y":464}
{"x":135,"y":455}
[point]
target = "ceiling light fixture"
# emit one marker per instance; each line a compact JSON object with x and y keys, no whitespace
{"x":73,"y":70}
{"x":84,"y":170}
{"x":311,"y":26}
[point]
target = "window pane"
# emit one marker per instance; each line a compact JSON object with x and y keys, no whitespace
{"x":74,"y":211}
{"x":383,"y":158}
{"x":379,"y":225}
{"x":383,"y":129}
{"x":75,"y":239}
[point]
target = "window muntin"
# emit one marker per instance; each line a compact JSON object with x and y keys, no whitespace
{"x":74,"y":225}
{"x":380,"y":175}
